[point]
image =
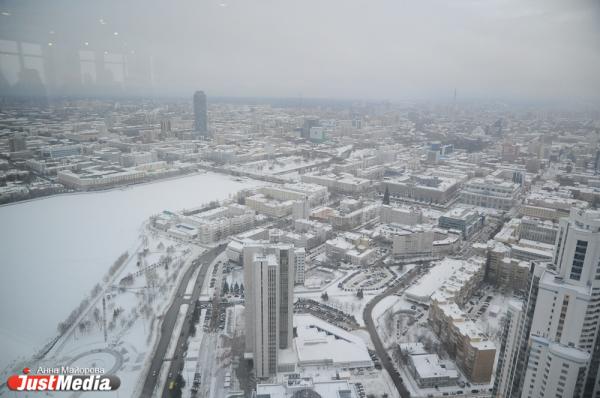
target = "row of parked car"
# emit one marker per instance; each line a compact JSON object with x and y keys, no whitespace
{"x":327,"y":313}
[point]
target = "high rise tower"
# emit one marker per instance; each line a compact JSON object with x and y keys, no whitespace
{"x":269,"y":289}
{"x":560,"y":346}
{"x":200,"y":114}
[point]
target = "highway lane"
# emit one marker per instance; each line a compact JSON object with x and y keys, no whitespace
{"x":386,"y":362}
{"x":168,"y":323}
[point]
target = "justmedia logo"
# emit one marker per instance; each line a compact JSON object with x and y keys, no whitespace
{"x":62,"y":382}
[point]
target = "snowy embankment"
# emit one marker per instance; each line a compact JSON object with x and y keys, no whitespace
{"x":57,"y":248}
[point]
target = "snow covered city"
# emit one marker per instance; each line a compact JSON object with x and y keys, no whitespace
{"x":300,"y":198}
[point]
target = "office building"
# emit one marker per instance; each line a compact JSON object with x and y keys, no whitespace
{"x":466,"y":221}
{"x":200,"y":114}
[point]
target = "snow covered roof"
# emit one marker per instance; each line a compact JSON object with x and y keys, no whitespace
{"x":429,"y":365}
{"x":319,"y":342}
{"x":448,"y":272}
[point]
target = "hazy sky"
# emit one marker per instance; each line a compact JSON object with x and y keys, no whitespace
{"x":392,"y":49}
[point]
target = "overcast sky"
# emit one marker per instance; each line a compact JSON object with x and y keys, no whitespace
{"x":386,"y":49}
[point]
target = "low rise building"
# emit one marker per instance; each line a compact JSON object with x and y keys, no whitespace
{"x":410,"y":241}
{"x":216,"y":224}
{"x":348,"y":249}
{"x":466,"y":221}
{"x":504,"y":271}
{"x":407,"y":215}
{"x":295,"y":386}
{"x":99,"y":178}
{"x":447,"y":285}
{"x":538,"y":230}
{"x":490,"y":192}
{"x":60,"y":151}
{"x":549,"y":206}
{"x":271,"y":207}
{"x":430,"y":371}
{"x":425,"y":188}
{"x":344,"y":183}
{"x":349,"y":217}
{"x":138,"y":158}
{"x":455,"y":278}
{"x":319,"y":343}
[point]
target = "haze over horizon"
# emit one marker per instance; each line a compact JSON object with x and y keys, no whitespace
{"x":383,"y":49}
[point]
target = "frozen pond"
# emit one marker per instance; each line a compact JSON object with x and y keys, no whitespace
{"x":54,"y":250}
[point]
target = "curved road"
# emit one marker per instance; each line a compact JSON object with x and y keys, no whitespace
{"x":168,"y":322}
{"x":379,"y":347}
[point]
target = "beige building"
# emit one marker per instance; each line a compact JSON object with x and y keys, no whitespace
{"x":504,"y":271}
{"x":473,"y":352}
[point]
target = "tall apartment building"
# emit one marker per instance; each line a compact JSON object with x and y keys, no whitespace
{"x":269,"y":282}
{"x":509,"y":350}
{"x":512,"y":360}
{"x":561,"y":334}
{"x":299,"y":265}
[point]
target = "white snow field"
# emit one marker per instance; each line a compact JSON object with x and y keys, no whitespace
{"x":55,"y":249}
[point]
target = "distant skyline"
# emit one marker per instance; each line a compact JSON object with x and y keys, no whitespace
{"x":381,"y":49}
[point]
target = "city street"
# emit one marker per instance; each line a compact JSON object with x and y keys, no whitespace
{"x":169,"y":320}
{"x":372,"y":328}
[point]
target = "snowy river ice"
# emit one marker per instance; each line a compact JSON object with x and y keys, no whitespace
{"x":54,"y":250}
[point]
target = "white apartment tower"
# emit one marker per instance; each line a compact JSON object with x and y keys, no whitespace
{"x":506,"y":370}
{"x":269,"y":289}
{"x":563,"y":351}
